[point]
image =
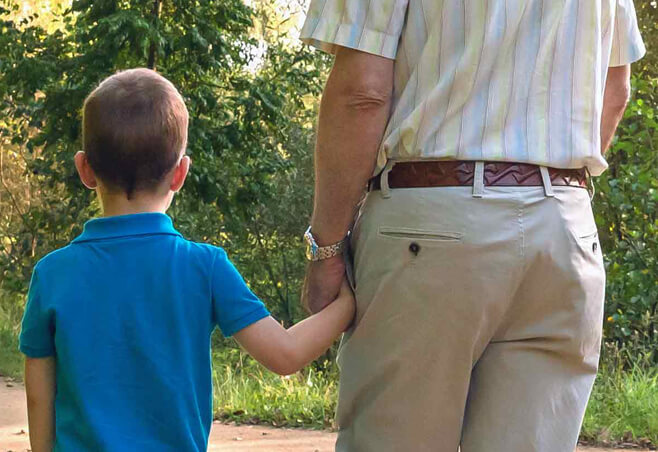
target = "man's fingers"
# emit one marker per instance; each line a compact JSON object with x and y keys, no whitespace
{"x":322,"y":283}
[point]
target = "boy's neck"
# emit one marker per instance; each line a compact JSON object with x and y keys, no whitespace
{"x":119,"y":204}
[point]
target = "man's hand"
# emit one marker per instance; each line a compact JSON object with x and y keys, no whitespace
{"x":322,"y":283}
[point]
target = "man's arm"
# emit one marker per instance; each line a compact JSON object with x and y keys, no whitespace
{"x":354,"y":111}
{"x":287,"y":351}
{"x":615,"y":99}
{"x":40,"y":389}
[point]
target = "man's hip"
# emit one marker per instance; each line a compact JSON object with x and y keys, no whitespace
{"x":454,"y":292}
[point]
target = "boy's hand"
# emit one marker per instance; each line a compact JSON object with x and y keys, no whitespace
{"x":346,"y":296}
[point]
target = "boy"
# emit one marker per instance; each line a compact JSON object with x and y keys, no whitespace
{"x":117,"y":326}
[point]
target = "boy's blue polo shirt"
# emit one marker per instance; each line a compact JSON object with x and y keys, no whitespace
{"x":127,"y":309}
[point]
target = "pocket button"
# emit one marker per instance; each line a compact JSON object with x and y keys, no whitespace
{"x":595,"y":246}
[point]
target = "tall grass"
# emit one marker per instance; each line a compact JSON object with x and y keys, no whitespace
{"x":623,"y":407}
{"x":245,"y":392}
{"x":11,"y":362}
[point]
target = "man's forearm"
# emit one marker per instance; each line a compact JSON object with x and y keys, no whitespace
{"x":617,"y":92}
{"x":353,"y":115}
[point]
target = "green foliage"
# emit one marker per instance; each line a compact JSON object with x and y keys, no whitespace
{"x":247,"y":393}
{"x":623,"y":407}
{"x":250,"y":133}
{"x":626,"y":212}
{"x":11,"y":361}
{"x":625,"y":209}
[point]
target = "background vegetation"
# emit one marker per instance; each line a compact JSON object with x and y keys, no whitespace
{"x":252,"y":92}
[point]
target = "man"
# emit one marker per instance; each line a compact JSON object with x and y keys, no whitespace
{"x":479,"y":278}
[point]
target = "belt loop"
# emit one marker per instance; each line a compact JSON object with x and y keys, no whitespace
{"x":383,"y":181}
{"x":590,"y":184}
{"x":546,"y":180}
{"x":478,"y":180}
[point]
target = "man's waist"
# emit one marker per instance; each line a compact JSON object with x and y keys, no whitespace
{"x":452,"y":173}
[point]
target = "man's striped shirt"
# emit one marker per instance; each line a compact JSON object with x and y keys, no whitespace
{"x":495,"y":80}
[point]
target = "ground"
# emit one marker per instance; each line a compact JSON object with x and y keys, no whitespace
{"x":226,"y":438}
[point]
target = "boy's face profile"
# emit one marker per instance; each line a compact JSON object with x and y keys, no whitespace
{"x":134,"y":138}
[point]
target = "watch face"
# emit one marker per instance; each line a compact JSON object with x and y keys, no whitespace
{"x":311,"y":251}
{"x":311,"y":246}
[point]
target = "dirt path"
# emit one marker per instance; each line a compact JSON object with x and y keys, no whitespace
{"x":225,"y":438}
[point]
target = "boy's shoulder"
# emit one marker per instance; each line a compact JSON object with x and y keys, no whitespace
{"x":206,"y":250}
{"x":68,"y":256}
{"x":59,"y":258}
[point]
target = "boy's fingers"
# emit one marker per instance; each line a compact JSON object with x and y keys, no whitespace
{"x":345,"y":286}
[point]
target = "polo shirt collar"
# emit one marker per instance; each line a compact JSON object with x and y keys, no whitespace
{"x":126,"y":226}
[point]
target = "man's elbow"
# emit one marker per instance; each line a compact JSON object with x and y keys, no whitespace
{"x":618,"y":87}
{"x":364,"y":97}
{"x":620,"y":97}
{"x":361,"y":81}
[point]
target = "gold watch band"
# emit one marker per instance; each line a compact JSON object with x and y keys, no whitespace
{"x":325,"y":252}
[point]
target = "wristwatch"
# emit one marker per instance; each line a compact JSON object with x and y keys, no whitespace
{"x":318,"y":253}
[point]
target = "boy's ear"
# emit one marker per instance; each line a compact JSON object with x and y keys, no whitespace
{"x":85,"y":172}
{"x":180,"y":173}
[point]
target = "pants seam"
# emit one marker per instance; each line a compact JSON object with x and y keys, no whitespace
{"x":521,"y":231}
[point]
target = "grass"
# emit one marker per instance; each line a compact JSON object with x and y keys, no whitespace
{"x":11,"y":312}
{"x":247,"y":393}
{"x":11,"y":361}
{"x":623,"y":407}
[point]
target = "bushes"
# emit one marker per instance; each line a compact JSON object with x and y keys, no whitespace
{"x":626,"y":212}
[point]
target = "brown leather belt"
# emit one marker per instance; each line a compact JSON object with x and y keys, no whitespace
{"x":451,"y":173}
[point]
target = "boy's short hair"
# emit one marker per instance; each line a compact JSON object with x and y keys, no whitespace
{"x":134,"y":129}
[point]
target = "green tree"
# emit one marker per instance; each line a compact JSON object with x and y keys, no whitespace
{"x":251,"y":119}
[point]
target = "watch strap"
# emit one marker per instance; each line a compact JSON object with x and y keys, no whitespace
{"x":326,"y":252}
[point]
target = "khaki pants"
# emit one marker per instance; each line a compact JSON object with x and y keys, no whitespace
{"x":478,"y":321}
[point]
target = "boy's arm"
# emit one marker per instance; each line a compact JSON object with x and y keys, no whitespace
{"x":40,"y":389}
{"x":287,"y":351}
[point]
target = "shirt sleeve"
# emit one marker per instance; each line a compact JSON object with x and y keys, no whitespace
{"x":372,"y":26}
{"x":627,"y":45}
{"x":234,"y":305}
{"x":37,"y":338}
